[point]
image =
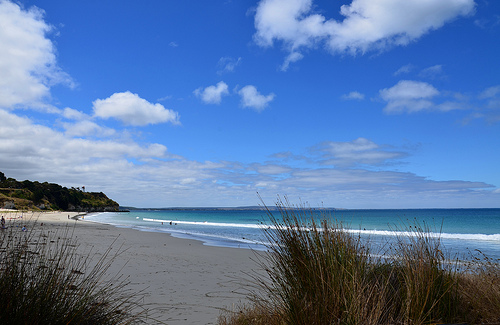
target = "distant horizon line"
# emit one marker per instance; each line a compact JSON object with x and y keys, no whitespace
{"x":258,"y":207}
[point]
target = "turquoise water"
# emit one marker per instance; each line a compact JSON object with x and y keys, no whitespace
{"x":461,"y":230}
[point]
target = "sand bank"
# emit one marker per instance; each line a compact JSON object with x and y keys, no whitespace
{"x":183,"y":280}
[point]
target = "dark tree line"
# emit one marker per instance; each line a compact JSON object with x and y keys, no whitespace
{"x":54,"y":196}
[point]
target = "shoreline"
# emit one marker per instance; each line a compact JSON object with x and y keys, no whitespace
{"x":170,"y":226}
{"x":183,"y":281}
{"x":240,"y":233}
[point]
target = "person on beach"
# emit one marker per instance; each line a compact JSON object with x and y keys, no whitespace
{"x":3,"y":222}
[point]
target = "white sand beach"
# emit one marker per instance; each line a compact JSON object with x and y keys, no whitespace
{"x":184,"y":281}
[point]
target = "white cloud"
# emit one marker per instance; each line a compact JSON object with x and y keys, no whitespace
{"x":51,"y":152}
{"x":291,"y":58}
{"x":489,"y":105}
{"x":251,"y":98}
{"x":212,"y":94}
{"x":83,"y":126}
{"x":355,"y":187}
{"x":410,"y":96}
{"x":73,"y":114}
{"x":164,"y":98}
{"x":359,"y":151}
{"x":449,"y":105}
{"x":272,"y":169}
{"x":375,"y":23}
{"x":36,"y":152}
{"x":432,"y":72}
{"x":133,"y":110}
{"x":404,"y":69}
{"x":492,"y":95}
{"x":378,"y":184}
{"x":490,"y":92}
{"x":87,"y":129}
{"x":367,"y":24}
{"x":287,"y":155}
{"x":354,"y":95}
{"x":146,"y":175}
{"x":59,"y":150}
{"x":486,"y":106}
{"x":488,"y":23}
{"x":28,"y":66}
{"x":228,"y":64}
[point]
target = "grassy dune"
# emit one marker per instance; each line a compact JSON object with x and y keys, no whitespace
{"x":319,"y":274}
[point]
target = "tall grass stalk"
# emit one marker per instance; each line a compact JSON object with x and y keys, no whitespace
{"x":44,"y":279}
{"x":319,"y":273}
{"x":427,"y":278}
{"x":479,"y":289}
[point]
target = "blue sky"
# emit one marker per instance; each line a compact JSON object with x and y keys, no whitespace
{"x":353,"y":104}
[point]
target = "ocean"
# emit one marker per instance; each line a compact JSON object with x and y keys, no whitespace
{"x":462,"y":231}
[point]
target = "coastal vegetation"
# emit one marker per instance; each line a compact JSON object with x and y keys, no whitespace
{"x":45,"y":279}
{"x":317,"y":273}
{"x":28,"y":195}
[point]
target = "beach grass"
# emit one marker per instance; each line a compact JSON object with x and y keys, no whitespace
{"x":45,"y":279}
{"x":317,"y":273}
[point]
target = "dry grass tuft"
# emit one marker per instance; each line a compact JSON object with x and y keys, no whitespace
{"x":44,"y":280}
